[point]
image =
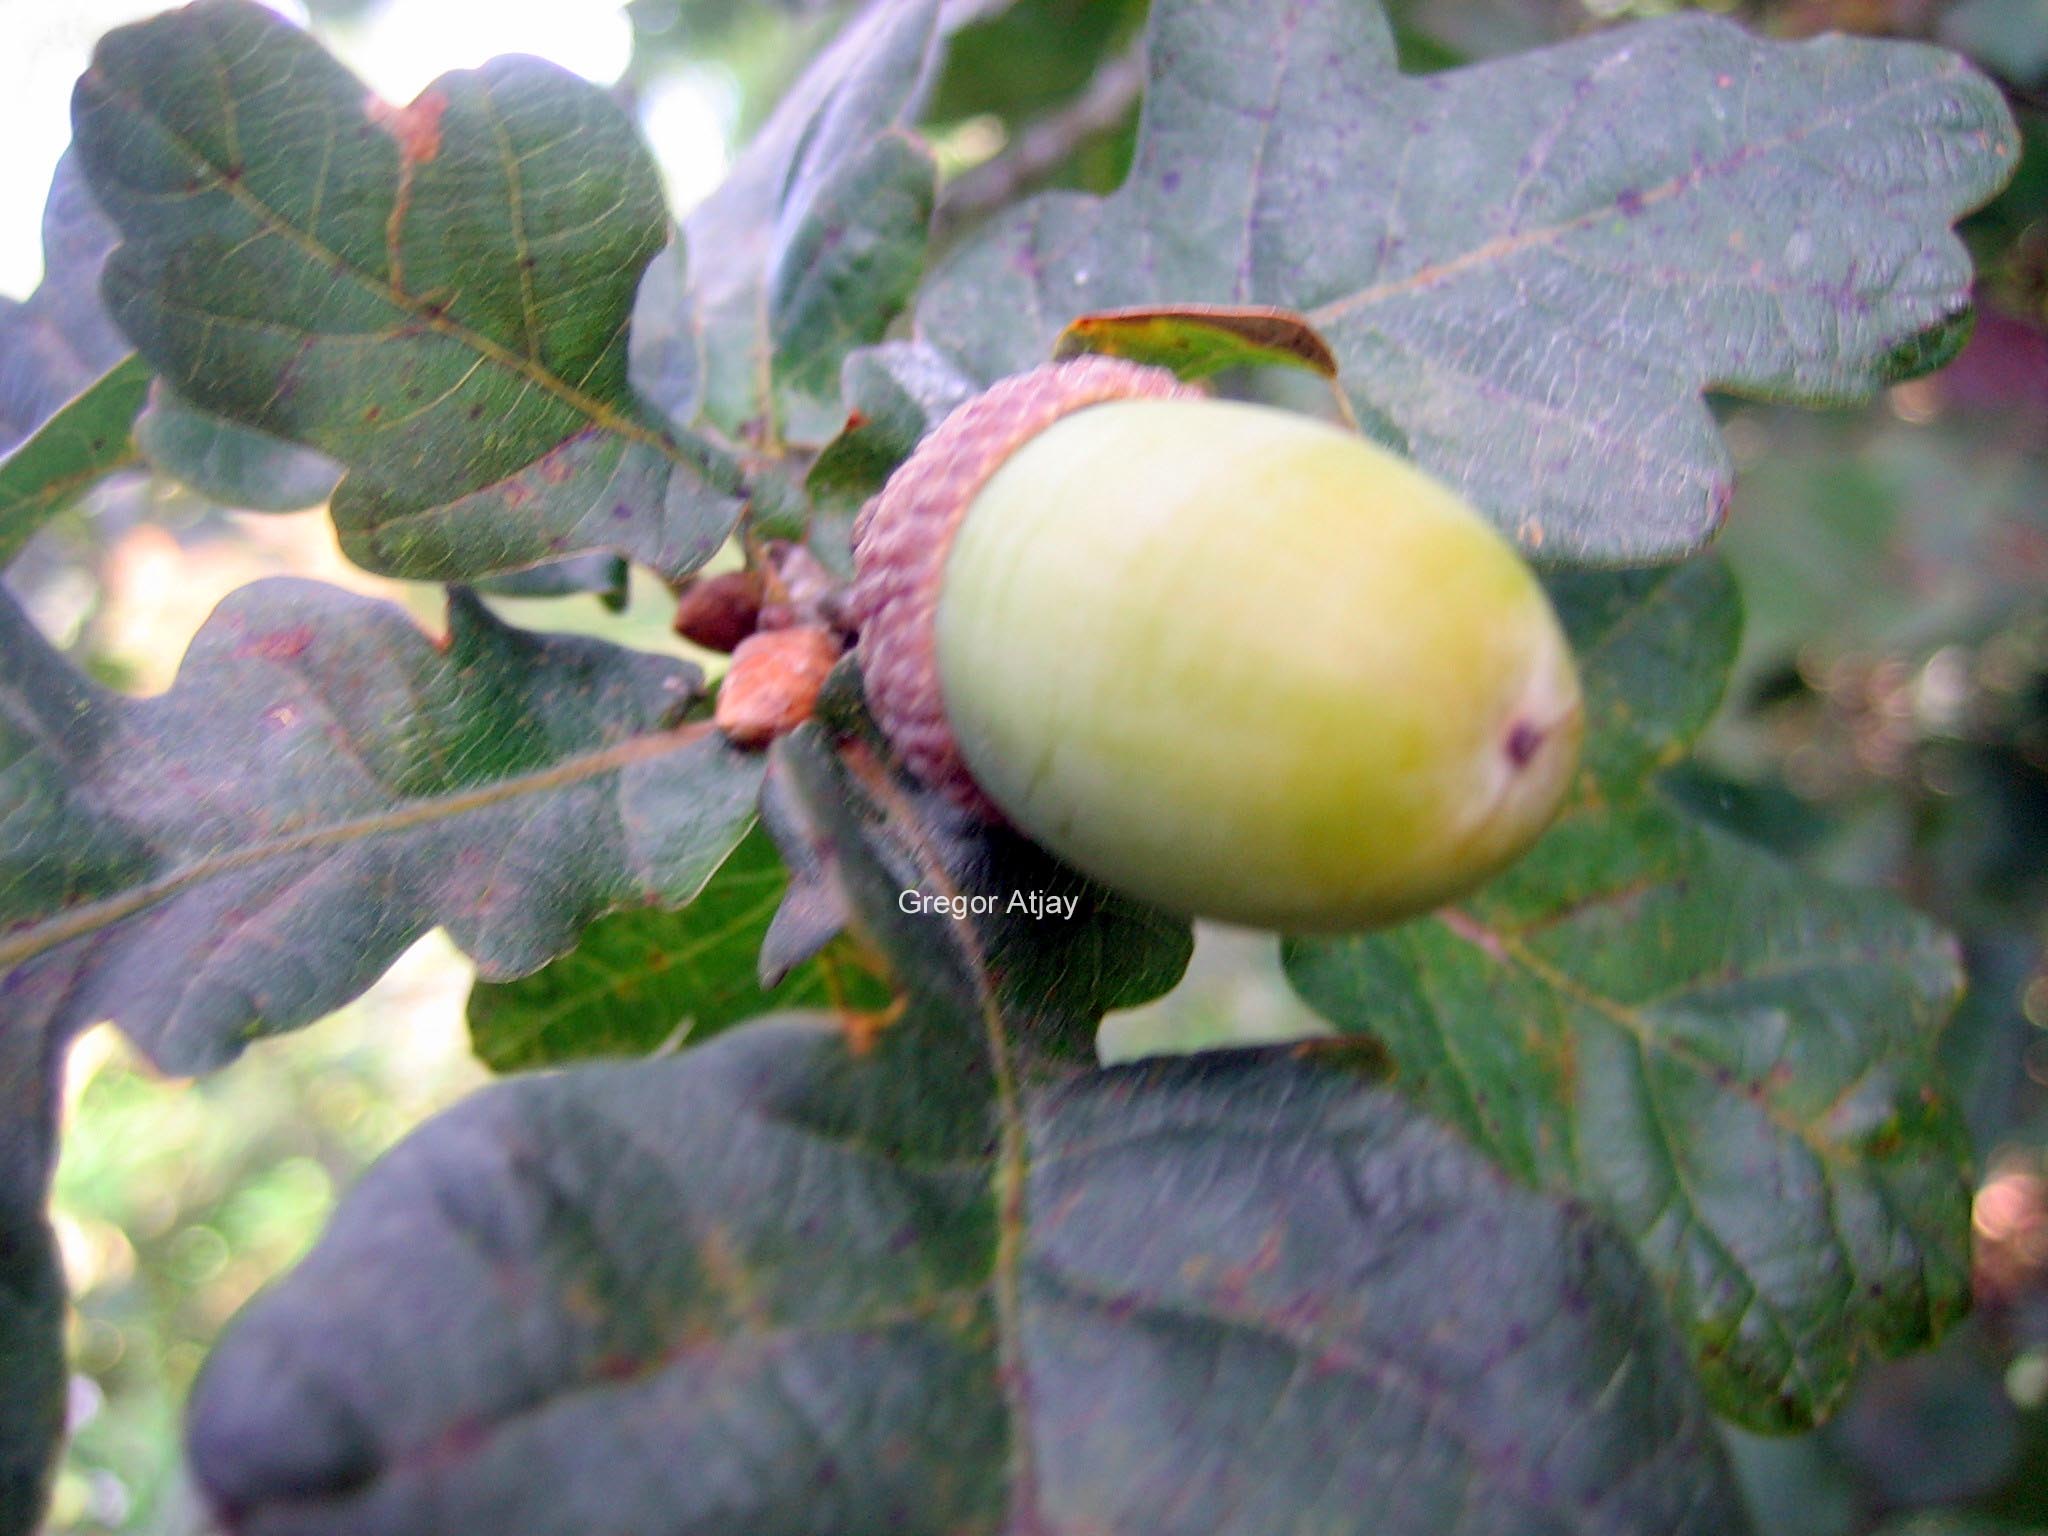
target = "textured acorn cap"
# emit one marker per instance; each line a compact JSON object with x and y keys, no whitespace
{"x":904,"y":534}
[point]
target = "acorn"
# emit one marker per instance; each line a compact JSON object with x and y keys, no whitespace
{"x":1226,"y":658}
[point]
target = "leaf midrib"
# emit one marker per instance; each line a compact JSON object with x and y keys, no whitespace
{"x":1505,"y":247}
{"x":475,"y":1437}
{"x":1506,"y":947}
{"x":1010,"y":1170}
{"x":687,"y":450}
{"x":80,"y":922}
{"x":1439,"y":1404}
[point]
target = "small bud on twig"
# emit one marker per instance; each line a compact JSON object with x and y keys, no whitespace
{"x":718,"y":612}
{"x":773,"y":683}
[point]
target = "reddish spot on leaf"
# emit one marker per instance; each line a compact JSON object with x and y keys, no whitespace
{"x":1472,"y":933}
{"x":457,"y":1443}
{"x":417,"y":128}
{"x":277,"y":644}
{"x":1236,"y":1280}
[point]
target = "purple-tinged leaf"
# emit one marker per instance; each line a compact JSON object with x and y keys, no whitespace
{"x":1531,"y":267}
{"x":926,"y":1278}
{"x":811,"y":245}
{"x":321,"y":785}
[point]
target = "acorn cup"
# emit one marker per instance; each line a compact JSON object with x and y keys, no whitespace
{"x":1226,"y":658}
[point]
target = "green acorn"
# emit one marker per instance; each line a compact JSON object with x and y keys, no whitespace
{"x":1226,"y":658}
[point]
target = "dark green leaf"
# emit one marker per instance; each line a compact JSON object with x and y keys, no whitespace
{"x":1052,"y":975}
{"x":604,"y":576}
{"x":436,"y":296}
{"x":67,"y":393}
{"x":1654,"y":649}
{"x":32,"y":1365}
{"x":641,"y":980}
{"x":1955,"y":1523}
{"x":1532,"y":267}
{"x":717,"y":1294}
{"x":1737,"y":1063}
{"x":1939,"y":1428}
{"x":229,"y":464}
{"x":84,"y":441}
{"x":895,"y":393}
{"x":665,"y":354}
{"x":1985,"y":1048}
{"x":841,"y":272}
{"x":814,"y":908}
{"x":937,"y":1282}
{"x":810,"y":247}
{"x":1796,"y":1485}
{"x":31,"y":1286}
{"x":2011,"y":36}
{"x":321,"y":785}
{"x":1017,"y":60}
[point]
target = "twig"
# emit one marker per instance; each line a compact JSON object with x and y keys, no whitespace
{"x":1041,"y":147}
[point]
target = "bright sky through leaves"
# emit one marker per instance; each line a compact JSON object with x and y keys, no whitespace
{"x":398,"y":47}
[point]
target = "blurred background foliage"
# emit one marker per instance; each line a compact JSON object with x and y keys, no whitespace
{"x":1889,"y":725}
